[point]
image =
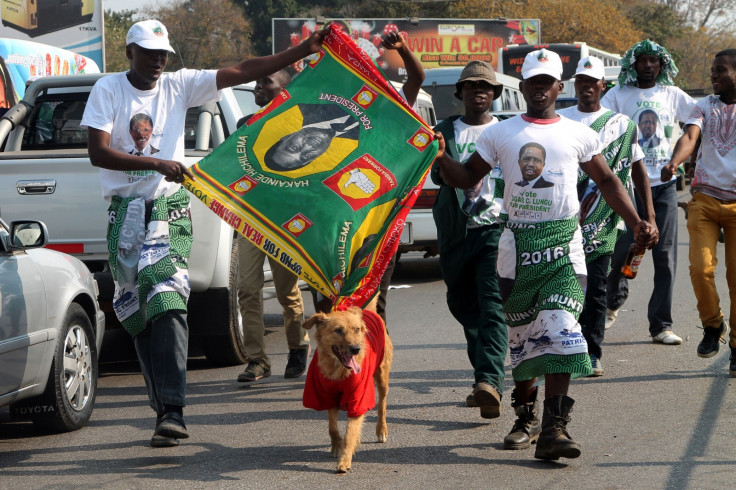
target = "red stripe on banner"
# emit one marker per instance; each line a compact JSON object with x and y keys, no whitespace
{"x":67,"y":248}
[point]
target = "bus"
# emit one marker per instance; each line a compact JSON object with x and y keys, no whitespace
{"x":511,"y":57}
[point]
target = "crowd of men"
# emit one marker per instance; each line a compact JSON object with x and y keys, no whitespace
{"x":535,"y":216}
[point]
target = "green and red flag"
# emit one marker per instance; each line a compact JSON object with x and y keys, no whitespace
{"x":323,"y":177}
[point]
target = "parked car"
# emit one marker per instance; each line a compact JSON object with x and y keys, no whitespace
{"x":51,"y":330}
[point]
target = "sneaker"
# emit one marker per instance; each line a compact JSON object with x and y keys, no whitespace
{"x":712,"y":337}
{"x":253,"y":372}
{"x":488,"y":399}
{"x":297,"y":363}
{"x":172,"y":427}
{"x":667,"y":337}
{"x":732,"y":366}
{"x":161,"y":441}
{"x":597,"y":367}
{"x":610,"y":317}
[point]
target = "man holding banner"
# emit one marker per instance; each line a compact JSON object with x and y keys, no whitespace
{"x":149,"y":231}
{"x":541,"y":263}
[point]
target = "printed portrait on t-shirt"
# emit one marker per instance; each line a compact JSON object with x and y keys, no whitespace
{"x":648,"y":122}
{"x":141,"y":131}
{"x":532,"y":157}
{"x":655,"y":124}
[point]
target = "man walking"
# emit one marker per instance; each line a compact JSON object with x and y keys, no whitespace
{"x":467,"y":236}
{"x":598,"y":222}
{"x":150,"y":233}
{"x":286,"y":283}
{"x":646,"y":85}
{"x":541,"y":263}
{"x":713,"y":205}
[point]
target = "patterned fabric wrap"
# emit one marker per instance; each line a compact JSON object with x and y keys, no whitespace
{"x":667,"y":72}
{"x":149,"y":246}
{"x":599,"y":223}
{"x":545,"y":302}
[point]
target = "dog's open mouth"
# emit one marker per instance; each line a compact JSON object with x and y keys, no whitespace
{"x":346,"y":360}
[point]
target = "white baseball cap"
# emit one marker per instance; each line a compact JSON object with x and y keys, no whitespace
{"x":592,"y":67}
{"x":542,"y":62}
{"x":149,"y":34}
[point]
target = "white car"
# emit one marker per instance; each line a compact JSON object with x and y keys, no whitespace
{"x":51,"y":330}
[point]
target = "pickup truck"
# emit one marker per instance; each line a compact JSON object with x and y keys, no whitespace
{"x":45,"y":173}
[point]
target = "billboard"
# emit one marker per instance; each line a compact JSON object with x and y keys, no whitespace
{"x":21,"y":61}
{"x":436,"y":42}
{"x":75,"y":25}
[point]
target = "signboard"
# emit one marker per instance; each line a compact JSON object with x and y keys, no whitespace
{"x":22,"y":60}
{"x":436,"y":42}
{"x":75,"y":25}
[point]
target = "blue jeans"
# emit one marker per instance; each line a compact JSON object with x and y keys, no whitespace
{"x":664,"y":259}
{"x":162,"y":353}
{"x":593,"y":317}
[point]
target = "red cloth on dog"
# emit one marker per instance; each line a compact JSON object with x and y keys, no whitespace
{"x":356,"y":393}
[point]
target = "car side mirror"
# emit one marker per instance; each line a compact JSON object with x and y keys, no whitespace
{"x":28,"y":234}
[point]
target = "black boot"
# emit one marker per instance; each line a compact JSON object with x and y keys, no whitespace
{"x":526,"y":429}
{"x":732,"y":366}
{"x":554,"y":441}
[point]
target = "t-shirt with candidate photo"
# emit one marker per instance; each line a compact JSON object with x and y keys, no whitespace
{"x":567,"y":144}
{"x":114,"y":101}
{"x":670,"y":104}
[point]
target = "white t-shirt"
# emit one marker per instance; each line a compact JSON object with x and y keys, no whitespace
{"x":552,"y":195}
{"x":114,"y":101}
{"x":482,"y":204}
{"x":656,"y":111}
{"x":715,"y":173}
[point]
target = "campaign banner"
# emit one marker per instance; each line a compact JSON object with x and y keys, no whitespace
{"x":436,"y":42}
{"x":322,"y":178}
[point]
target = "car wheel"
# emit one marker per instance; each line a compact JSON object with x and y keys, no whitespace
{"x":69,"y":398}
{"x":228,"y":349}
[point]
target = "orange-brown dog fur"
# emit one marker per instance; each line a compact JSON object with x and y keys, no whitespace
{"x":343,"y":329}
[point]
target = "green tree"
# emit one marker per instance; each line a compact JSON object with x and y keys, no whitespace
{"x":260,"y":13}
{"x":116,"y":27}
{"x":204,"y":33}
{"x":657,"y":21}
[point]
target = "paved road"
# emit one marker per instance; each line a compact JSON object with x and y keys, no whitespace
{"x":659,"y":418}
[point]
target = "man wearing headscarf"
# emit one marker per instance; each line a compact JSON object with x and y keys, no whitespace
{"x":646,"y":85}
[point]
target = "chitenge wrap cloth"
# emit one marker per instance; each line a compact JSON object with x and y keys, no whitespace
{"x":598,"y":222}
{"x":149,"y":245}
{"x":546,"y":298}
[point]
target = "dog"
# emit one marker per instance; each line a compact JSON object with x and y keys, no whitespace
{"x":353,"y":346}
